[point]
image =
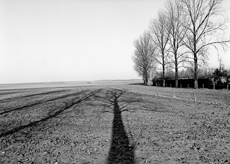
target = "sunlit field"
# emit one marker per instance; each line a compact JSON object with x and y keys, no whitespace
{"x":113,"y":122}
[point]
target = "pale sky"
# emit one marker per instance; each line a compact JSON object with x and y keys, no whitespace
{"x":73,"y":40}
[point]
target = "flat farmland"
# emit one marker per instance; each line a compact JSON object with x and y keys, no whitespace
{"x":115,"y":123}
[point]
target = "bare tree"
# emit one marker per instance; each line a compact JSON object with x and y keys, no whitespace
{"x":177,"y":33}
{"x":160,"y":38}
{"x":144,"y":56}
{"x":205,"y":28}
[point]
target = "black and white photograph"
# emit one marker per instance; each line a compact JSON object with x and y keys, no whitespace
{"x":114,"y":82}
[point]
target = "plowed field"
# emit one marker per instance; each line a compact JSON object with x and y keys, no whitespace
{"x":114,"y":124}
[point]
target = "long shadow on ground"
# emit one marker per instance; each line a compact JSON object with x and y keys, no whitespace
{"x":122,"y":149}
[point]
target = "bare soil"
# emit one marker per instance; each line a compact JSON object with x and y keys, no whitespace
{"x":67,"y":125}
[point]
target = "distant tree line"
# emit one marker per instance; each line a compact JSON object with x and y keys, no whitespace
{"x":181,"y":37}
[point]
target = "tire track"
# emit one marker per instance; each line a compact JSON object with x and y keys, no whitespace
{"x":67,"y":106}
{"x":30,"y":95}
{"x":36,"y":103}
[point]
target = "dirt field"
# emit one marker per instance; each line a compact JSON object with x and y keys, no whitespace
{"x":114,"y":124}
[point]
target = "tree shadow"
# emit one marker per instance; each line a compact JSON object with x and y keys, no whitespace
{"x":116,"y":101}
{"x":121,"y":150}
{"x":122,"y":146}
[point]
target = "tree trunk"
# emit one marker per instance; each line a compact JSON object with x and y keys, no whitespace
{"x":163,"y":72}
{"x":195,"y":72}
{"x":163,"y":66}
{"x":176,"y":83}
{"x":176,"y":73}
{"x":195,"y":58}
{"x":145,"y":77}
{"x":146,"y":80}
{"x":163,"y":77}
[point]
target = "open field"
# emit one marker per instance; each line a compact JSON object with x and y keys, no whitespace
{"x":115,"y":123}
{"x":67,"y":84}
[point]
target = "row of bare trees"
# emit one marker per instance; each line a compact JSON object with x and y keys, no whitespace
{"x":181,"y":36}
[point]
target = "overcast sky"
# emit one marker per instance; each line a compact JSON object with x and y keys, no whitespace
{"x":73,"y":40}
